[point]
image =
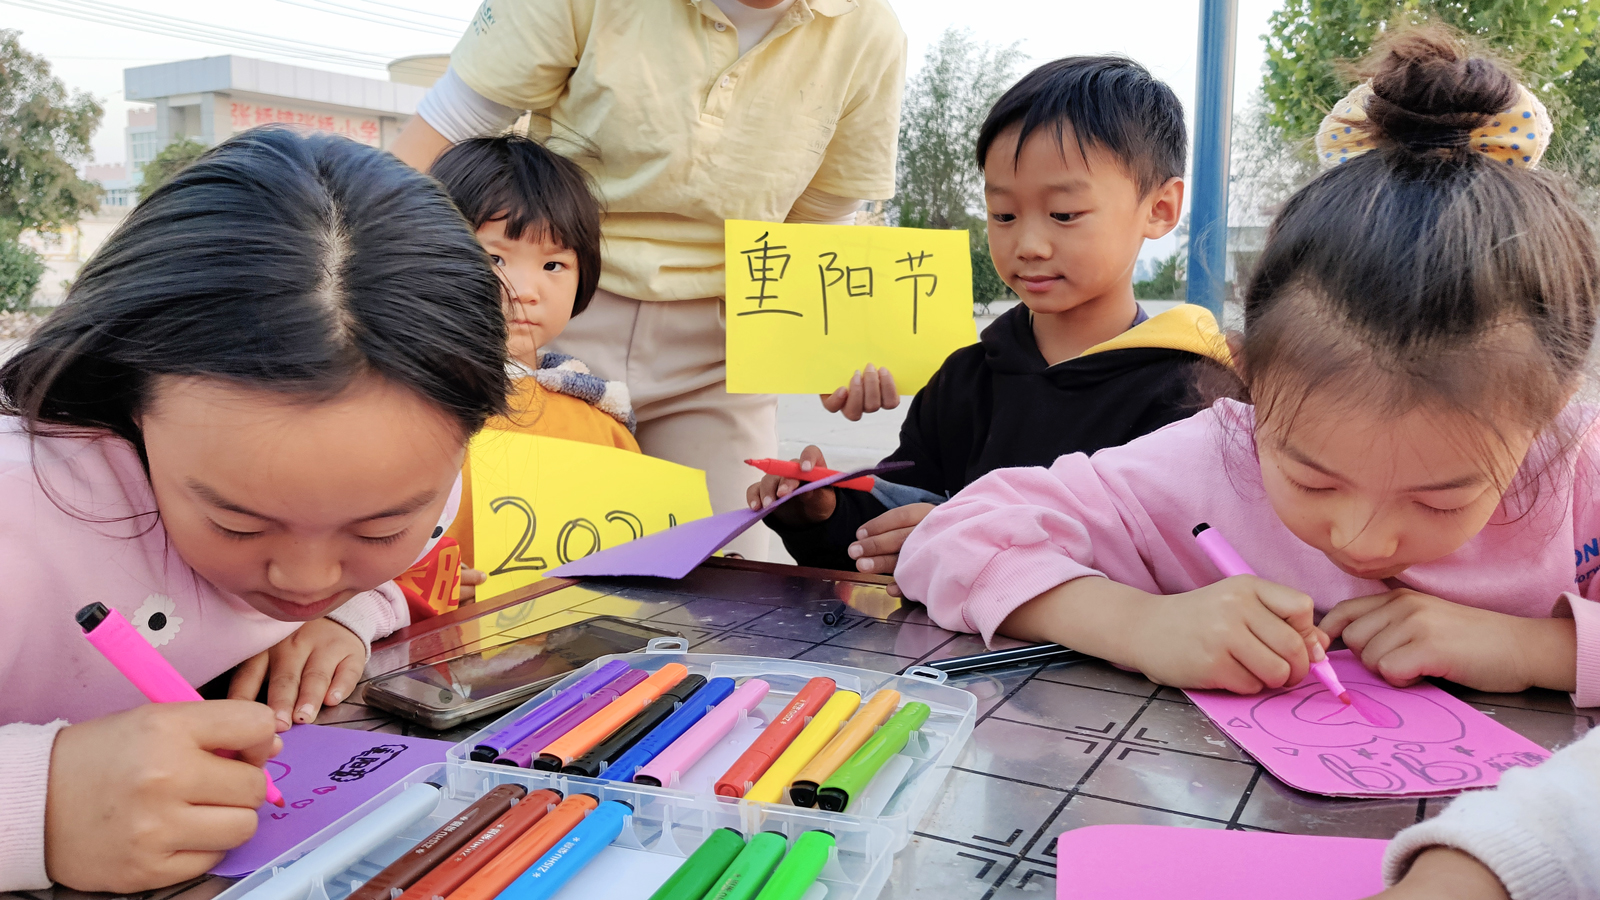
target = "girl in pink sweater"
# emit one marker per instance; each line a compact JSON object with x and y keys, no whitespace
{"x":1408,"y":461}
{"x":247,"y":418}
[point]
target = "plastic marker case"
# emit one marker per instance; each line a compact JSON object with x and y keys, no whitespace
{"x":667,"y":823}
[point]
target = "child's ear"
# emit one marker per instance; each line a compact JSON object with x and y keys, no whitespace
{"x":1165,"y":204}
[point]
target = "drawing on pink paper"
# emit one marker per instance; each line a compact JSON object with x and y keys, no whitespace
{"x":325,"y":772}
{"x":1390,"y":741}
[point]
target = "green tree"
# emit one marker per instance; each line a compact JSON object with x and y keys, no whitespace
{"x":44,"y":134}
{"x":1167,"y":282}
{"x":939,"y":185}
{"x":1551,"y":42}
{"x":20,"y":271}
{"x":173,"y":158}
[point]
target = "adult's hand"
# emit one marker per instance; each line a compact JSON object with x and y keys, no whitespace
{"x":868,"y":391}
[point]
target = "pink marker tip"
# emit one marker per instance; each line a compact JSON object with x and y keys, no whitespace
{"x":1344,"y":698}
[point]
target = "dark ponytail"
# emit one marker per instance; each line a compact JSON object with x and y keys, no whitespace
{"x":1424,"y":272}
{"x":278,"y":261}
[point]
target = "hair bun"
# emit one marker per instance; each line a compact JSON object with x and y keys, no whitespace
{"x":1429,"y":92}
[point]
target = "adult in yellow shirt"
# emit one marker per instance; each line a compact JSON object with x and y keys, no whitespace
{"x":686,"y":113}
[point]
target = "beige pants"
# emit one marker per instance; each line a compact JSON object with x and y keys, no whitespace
{"x":672,"y":355}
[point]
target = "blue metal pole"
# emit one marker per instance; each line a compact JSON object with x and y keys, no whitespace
{"x":1208,"y":189}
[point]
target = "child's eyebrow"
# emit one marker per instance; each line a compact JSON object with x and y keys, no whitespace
{"x":1464,"y":481}
{"x":211,"y":496}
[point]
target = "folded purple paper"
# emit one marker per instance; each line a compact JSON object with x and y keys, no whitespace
{"x":675,"y":552}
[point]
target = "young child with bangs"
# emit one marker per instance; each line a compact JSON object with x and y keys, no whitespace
{"x":537,"y":218}
{"x":1407,"y":461}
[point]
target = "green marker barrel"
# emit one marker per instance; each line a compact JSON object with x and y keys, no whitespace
{"x":800,"y":868}
{"x":851,"y":778}
{"x":703,"y":867}
{"x":749,"y":870}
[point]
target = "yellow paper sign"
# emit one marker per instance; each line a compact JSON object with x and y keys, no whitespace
{"x":808,"y":305}
{"x":539,"y":502}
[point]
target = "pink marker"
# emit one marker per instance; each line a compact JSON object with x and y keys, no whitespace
{"x":122,"y":645}
{"x":1230,"y":563}
{"x":684,"y":752}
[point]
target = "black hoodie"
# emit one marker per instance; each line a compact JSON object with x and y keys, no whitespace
{"x":995,"y":404}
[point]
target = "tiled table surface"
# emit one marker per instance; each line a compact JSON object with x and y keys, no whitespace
{"x":1056,"y":747}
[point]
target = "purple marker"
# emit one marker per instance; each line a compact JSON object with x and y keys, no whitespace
{"x":525,"y":751}
{"x":548,"y":711}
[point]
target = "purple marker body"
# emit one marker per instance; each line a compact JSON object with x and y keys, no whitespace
{"x":548,"y":711}
{"x":525,"y":751}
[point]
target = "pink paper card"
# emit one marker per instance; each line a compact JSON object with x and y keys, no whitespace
{"x":325,"y":772}
{"x":1114,"y":862}
{"x":1390,"y":742}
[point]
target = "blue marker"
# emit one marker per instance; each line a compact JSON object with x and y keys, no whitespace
{"x":693,"y":710}
{"x":579,"y":848}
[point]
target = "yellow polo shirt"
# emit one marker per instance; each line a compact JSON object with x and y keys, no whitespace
{"x":680,"y":132}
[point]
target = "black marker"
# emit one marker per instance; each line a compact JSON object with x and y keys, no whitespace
{"x":1032,"y":654}
{"x":593,"y":764}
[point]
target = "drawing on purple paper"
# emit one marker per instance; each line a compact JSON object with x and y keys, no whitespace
{"x":366,"y":762}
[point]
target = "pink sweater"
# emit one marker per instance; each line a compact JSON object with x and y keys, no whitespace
{"x":53,"y":564}
{"x":1127,"y":513}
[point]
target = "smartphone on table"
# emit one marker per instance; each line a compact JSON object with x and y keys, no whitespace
{"x":442,"y":695}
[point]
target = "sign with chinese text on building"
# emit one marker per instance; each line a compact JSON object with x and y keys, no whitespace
{"x":808,"y":305}
{"x":361,"y":128}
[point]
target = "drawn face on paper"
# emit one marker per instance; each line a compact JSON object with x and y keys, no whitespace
{"x":1378,"y":493}
{"x":539,"y":280}
{"x":1309,"y":716}
{"x":1066,"y":227}
{"x":297,"y":505}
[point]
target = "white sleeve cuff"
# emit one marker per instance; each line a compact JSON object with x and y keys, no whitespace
{"x":24,"y":782}
{"x":458,"y":112}
{"x":374,"y":614}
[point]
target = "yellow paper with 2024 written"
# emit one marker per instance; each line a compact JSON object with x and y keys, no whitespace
{"x":809,"y":305}
{"x":539,"y":502}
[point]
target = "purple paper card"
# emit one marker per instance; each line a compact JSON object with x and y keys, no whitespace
{"x":325,"y":772}
{"x":675,"y":552}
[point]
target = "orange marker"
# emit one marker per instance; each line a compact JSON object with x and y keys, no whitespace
{"x":598,"y":727}
{"x":784,"y":468}
{"x":527,"y":850}
{"x":500,"y":835}
{"x":748,"y":768}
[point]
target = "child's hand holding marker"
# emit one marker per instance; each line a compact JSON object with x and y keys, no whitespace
{"x":140,"y":797}
{"x":1405,"y":636}
{"x":815,"y":506}
{"x":319,"y":665}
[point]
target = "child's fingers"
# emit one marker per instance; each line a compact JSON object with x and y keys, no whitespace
{"x":886,"y":387}
{"x":316,"y":681}
{"x":878,"y":565}
{"x":1294,"y":661}
{"x":283,"y":685}
{"x":893,"y":589}
{"x":835,"y":401}
{"x":852,"y":402}
{"x":871,"y":396}
{"x":246,"y":681}
{"x":238,"y":726}
{"x":213,"y":829}
{"x":1265,"y":666}
{"x":887,"y":543}
{"x":811,"y":458}
{"x":473,"y":577}
{"x":345,"y":679}
{"x":1288,"y":604}
{"x":1403,"y":665}
{"x":1340,"y":617}
{"x":1235,"y":676}
{"x":1359,"y":633}
{"x":901,"y":517}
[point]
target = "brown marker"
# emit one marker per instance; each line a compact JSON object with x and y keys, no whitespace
{"x":449,"y":874}
{"x":436,"y":847}
{"x":529,"y":849}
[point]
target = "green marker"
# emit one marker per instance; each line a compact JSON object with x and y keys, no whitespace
{"x":701,"y":870}
{"x":849,"y":779}
{"x":750,"y":870}
{"x":799,"y":870}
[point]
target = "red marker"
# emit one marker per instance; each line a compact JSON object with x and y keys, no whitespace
{"x":784,"y":468}
{"x":775,"y":738}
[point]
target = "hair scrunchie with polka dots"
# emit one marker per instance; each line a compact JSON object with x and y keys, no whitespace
{"x":1517,"y":136}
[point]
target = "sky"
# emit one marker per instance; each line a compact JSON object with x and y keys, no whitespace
{"x":88,"y":49}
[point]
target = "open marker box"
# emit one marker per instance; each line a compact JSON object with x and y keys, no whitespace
{"x":896,"y":798}
{"x":669,"y":823}
{"x":664,"y":829}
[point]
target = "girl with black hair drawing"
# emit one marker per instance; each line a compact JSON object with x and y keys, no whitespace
{"x":1409,"y":454}
{"x":248,"y":417}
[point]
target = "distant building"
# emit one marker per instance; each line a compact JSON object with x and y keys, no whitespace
{"x":141,"y":143}
{"x":212,"y":98}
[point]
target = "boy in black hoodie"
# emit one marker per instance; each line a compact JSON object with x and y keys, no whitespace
{"x":1083,"y":162}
